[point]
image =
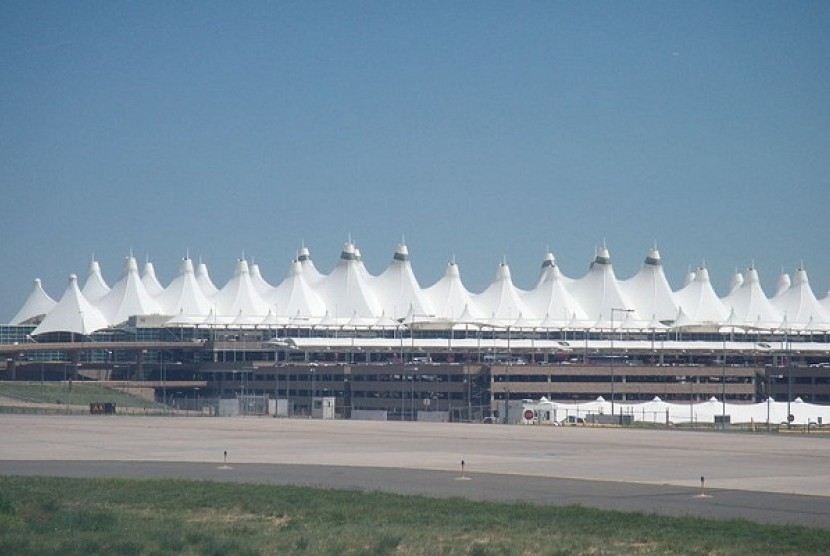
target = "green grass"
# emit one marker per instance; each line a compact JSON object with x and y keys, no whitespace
{"x":113,"y":516}
{"x":82,"y":393}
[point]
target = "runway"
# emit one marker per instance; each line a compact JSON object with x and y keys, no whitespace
{"x":763,"y":478}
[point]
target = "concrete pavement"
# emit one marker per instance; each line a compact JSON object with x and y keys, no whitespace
{"x":767,"y":478}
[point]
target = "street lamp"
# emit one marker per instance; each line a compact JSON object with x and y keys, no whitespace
{"x":613,"y":370}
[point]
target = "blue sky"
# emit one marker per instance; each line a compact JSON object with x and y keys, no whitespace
{"x":480,"y":130}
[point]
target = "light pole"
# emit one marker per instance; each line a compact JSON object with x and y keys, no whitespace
{"x":403,"y":398}
{"x":613,"y":370}
{"x":163,"y":382}
{"x":789,"y":380}
{"x":311,"y":404}
{"x":723,"y":385}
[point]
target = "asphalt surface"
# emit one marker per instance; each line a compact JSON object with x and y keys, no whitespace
{"x":763,"y":478}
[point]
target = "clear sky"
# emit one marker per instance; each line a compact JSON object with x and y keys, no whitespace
{"x":483,"y":130}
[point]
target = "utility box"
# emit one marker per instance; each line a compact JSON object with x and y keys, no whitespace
{"x":278,"y":407}
{"x":322,"y":408}
{"x":723,"y":419}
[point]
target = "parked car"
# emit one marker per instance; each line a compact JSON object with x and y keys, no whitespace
{"x":573,"y":420}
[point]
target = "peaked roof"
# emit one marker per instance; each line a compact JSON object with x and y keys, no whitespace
{"x":351,"y":296}
{"x":548,"y":264}
{"x":37,"y":304}
{"x":73,"y":313}
{"x":798,"y":303}
{"x":398,"y":289}
{"x":151,"y":283}
{"x":449,"y":298}
{"x":551,"y":299}
{"x":649,"y":291}
{"x":502,"y":302}
{"x":735,"y":282}
{"x":699,"y":302}
{"x":95,"y":287}
{"x":263,"y":288}
{"x":346,"y":289}
{"x":295,"y":296}
{"x":128,"y":297}
{"x":238,"y":298}
{"x":204,"y":281}
{"x":750,"y":305}
{"x":183,"y":295}
{"x":690,"y":277}
{"x":599,"y":291}
{"x":782,"y":284}
{"x":312,"y":275}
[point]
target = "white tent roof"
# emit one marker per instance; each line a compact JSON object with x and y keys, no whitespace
{"x":350,"y":294}
{"x":783,"y":283}
{"x":263,"y":288}
{"x":151,"y":283}
{"x":73,"y":313}
{"x":501,"y":301}
{"x":699,"y":302}
{"x":751,"y":307}
{"x":184,"y":295}
{"x":239,"y":299}
{"x":204,"y":281}
{"x":312,"y":275}
{"x":550,"y":300}
{"x":95,"y":287}
{"x":449,"y":298}
{"x":36,"y":305}
{"x":548,"y":264}
{"x":127,"y":297}
{"x":798,"y":303}
{"x":735,"y":282}
{"x":649,"y":291}
{"x":295,"y":296}
{"x":599,"y":291}
{"x":398,"y":289}
{"x":346,"y":290}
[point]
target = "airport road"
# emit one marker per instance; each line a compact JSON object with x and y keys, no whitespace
{"x":765,"y":478}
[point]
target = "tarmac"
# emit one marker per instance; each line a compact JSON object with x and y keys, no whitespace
{"x":767,"y":478}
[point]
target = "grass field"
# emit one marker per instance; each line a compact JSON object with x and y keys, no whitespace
{"x":81,"y":393}
{"x":113,"y":516}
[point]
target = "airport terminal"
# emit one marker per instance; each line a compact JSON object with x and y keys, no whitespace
{"x":352,"y":345}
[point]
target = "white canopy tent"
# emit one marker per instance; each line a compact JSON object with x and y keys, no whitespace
{"x":73,"y":313}
{"x":557,"y":302}
{"x":37,"y":304}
